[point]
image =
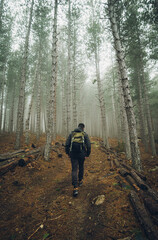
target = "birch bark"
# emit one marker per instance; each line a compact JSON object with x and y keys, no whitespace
{"x":136,"y":162}
{"x":124,"y":122}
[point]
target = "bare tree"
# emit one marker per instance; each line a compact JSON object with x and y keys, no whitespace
{"x":68,"y":106}
{"x":20,"y":114}
{"x":94,"y":30}
{"x":125,"y":86}
{"x":52,"y":100}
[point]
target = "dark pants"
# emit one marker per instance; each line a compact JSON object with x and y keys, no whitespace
{"x":77,"y":161}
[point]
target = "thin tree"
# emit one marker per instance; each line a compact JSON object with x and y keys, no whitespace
{"x":136,"y":162}
{"x":95,"y":30}
{"x":68,"y":105}
{"x":51,"y":110}
{"x":75,"y":17}
{"x":30,"y":108}
{"x":20,"y":113}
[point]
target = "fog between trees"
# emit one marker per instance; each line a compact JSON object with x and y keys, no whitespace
{"x":65,"y":62}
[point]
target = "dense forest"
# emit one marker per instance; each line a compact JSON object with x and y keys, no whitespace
{"x":65,"y":62}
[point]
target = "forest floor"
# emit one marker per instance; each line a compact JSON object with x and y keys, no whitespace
{"x":36,"y":200}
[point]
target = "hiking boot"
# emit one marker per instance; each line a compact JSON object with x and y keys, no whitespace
{"x":75,"y":192}
{"x":80,"y":183}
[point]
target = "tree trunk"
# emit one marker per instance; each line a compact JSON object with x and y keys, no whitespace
{"x":20,"y":114}
{"x":74,"y":81}
{"x":63,"y":104}
{"x":99,"y":85}
{"x":11,"y":117}
{"x":1,"y":12}
{"x":5,"y":125}
{"x":52,"y":87}
{"x":55,"y":81}
{"x":38,"y":103}
{"x":142,"y":117}
{"x":124,"y":122}
{"x":2,"y":99}
{"x":69,"y":72}
{"x":101,"y":101}
{"x":126,"y":91}
{"x":146,"y":98}
{"x":148,"y":113}
{"x":30,"y":107}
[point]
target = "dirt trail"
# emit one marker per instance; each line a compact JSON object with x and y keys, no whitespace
{"x":36,"y":202}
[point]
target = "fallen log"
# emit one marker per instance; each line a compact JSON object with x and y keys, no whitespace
{"x":8,"y":167}
{"x":143,"y":217}
{"x":116,"y":163}
{"x":111,"y":165}
{"x":131,"y":168}
{"x":150,"y":203}
{"x":120,"y":182}
{"x":6,"y":156}
{"x":132,"y":182}
{"x":152,"y":193}
{"x":108,"y":151}
{"x":11,"y":165}
{"x":104,"y":150}
{"x":155,"y":220}
{"x":138,"y":180}
{"x":123,"y":172}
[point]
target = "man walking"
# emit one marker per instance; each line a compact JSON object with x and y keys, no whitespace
{"x":78,"y":147}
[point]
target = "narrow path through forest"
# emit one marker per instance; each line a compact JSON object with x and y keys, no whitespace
{"x":36,"y":202}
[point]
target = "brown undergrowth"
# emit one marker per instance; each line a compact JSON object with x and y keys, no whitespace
{"x":36,"y":200}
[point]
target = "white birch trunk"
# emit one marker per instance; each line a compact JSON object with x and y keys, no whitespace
{"x":124,"y":122}
{"x":20,"y":114}
{"x":126,"y":91}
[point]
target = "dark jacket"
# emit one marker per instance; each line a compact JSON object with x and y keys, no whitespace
{"x":87,"y":145}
